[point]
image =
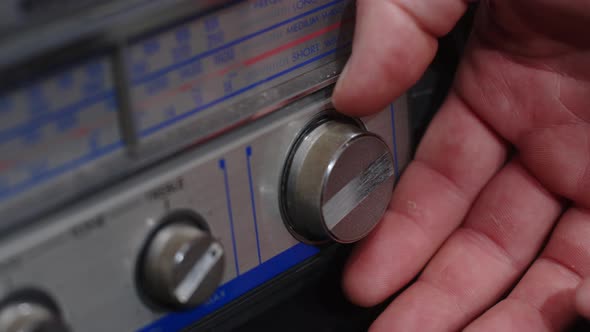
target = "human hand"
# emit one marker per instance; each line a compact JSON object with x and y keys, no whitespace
{"x":494,"y":211}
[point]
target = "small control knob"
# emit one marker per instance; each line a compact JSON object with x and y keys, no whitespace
{"x":182,"y":266}
{"x":337,"y":182}
{"x":25,"y":316}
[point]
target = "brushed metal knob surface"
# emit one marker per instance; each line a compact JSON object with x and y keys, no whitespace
{"x":338,"y":183}
{"x":30,"y":317}
{"x":182,"y":266}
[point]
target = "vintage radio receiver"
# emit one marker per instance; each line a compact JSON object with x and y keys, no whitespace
{"x":162,"y":162}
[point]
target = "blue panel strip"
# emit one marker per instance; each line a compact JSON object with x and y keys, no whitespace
{"x":234,"y":289}
{"x":169,"y":122}
{"x":165,"y":70}
{"x":392,"y":111}
{"x":222,"y":165}
{"x":252,"y":200}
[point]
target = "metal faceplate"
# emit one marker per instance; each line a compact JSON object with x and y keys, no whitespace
{"x":198,"y":114}
{"x":85,"y":257}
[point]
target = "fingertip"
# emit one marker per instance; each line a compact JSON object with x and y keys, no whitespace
{"x":364,"y":281}
{"x":357,"y":288}
{"x":351,"y":95}
{"x":340,"y":93}
{"x":583,"y":298}
{"x":390,"y":53}
{"x":366,"y":86}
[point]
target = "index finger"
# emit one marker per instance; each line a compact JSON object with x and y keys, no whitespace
{"x":394,"y":42}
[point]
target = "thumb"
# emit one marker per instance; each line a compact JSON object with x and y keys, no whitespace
{"x":583,"y":298}
{"x":394,"y":42}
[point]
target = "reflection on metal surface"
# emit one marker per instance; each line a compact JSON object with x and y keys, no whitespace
{"x":185,"y":290}
{"x":337,"y":182}
{"x":357,"y":190}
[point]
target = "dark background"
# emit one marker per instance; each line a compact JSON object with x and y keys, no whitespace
{"x":320,"y":306}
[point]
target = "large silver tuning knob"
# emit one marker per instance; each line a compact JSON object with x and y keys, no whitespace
{"x":338,"y":183}
{"x":182,"y":266}
{"x":28,"y":316}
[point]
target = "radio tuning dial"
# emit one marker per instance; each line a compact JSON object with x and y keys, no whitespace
{"x":337,"y":182}
{"x":182,"y":266}
{"x":29,"y":316}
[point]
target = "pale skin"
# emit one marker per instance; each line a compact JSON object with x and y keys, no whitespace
{"x":493,"y":214}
